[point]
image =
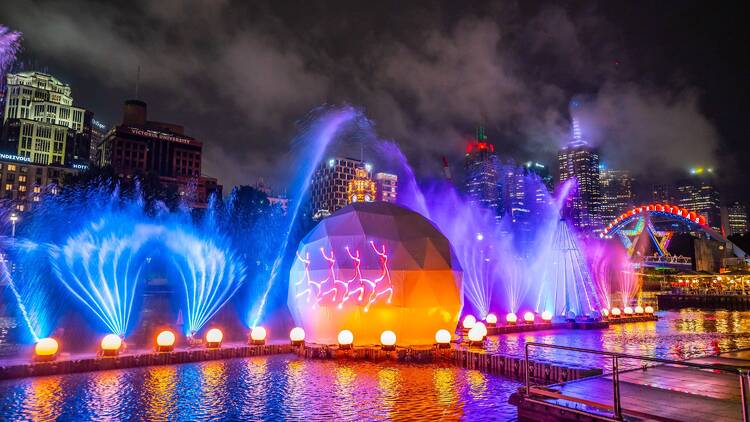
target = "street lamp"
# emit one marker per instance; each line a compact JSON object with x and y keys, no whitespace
{"x":13,"y":219}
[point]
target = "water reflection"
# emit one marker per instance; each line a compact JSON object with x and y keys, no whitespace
{"x":157,"y":393}
{"x":263,"y":388}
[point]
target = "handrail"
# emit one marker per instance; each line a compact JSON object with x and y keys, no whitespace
{"x":617,"y":406}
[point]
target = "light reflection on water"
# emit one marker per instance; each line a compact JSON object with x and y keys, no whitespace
{"x":681,"y":334}
{"x":285,"y":387}
{"x":263,"y":388}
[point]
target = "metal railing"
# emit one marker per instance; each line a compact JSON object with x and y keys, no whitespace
{"x":616,"y":407}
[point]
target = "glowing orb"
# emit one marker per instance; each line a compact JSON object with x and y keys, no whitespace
{"x":443,"y":337}
{"x":547,"y":316}
{"x":628,"y":310}
{"x":388,"y":340}
{"x":476,"y":335}
{"x":511,"y":318}
{"x":491,"y":319}
{"x":605,"y":312}
{"x":482,"y":329}
{"x":372,"y":267}
{"x":214,"y":337}
{"x":639,"y":309}
{"x":345,"y":338}
{"x":165,"y":341}
{"x":649,"y":309}
{"x":258,"y":335}
{"x":111,"y":344}
{"x":46,"y":348}
{"x":615,"y":312}
{"x":297,"y":336}
{"x":528,"y":317}
{"x":469,"y":321}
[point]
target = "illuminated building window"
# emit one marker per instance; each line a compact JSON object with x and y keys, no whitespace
{"x":8,"y":186}
{"x":22,"y":188}
{"x":11,"y":167}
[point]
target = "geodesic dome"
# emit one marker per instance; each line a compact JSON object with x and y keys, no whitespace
{"x":371,"y":267}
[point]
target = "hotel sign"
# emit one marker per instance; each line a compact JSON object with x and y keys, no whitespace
{"x":14,"y":157}
{"x":159,"y":135}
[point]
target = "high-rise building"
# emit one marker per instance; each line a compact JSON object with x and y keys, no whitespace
{"x":577,"y":160}
{"x":616,"y":193}
{"x":140,"y":146}
{"x":41,"y":123}
{"x":330,"y":184}
{"x":699,"y":193}
{"x":483,"y":184}
{"x":663,"y":193}
{"x":535,"y":167}
{"x":734,"y":218}
{"x":386,"y":185}
{"x":98,"y":132}
{"x":23,"y":183}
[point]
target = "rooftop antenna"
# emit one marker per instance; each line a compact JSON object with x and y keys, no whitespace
{"x":137,"y":80}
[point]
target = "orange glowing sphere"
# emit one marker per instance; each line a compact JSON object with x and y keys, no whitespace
{"x":258,"y":333}
{"x":511,"y":318}
{"x":546,"y":316}
{"x":528,"y":317}
{"x":482,"y":328}
{"x":165,"y":339}
{"x":628,"y":310}
{"x":345,"y":337}
{"x":491,"y":319}
{"x":649,"y":309}
{"x":214,"y":335}
{"x":388,"y":338}
{"x":476,"y":334}
{"x":615,"y":311}
{"x":372,"y":267}
{"x":46,"y":347}
{"x":297,"y":334}
{"x":443,"y":336}
{"x":111,"y":342}
{"x":639,"y":309}
{"x":469,"y":321}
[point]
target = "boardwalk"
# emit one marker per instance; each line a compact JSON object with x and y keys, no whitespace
{"x":660,"y":393}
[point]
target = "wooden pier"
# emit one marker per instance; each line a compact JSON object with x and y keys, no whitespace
{"x":736,"y":302}
{"x":665,"y":392}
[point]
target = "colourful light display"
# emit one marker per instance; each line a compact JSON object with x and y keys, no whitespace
{"x":372,"y":267}
{"x":361,"y":188}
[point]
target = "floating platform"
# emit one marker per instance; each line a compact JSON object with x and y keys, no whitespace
{"x":69,"y":364}
{"x":679,"y":301}
{"x":466,"y":357}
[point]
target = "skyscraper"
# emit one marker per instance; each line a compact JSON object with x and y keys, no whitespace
{"x":736,"y":218}
{"x":386,"y":185}
{"x":698,"y":193}
{"x":330,"y":184}
{"x":40,"y":121}
{"x":663,"y":193}
{"x":483,"y":184}
{"x":577,"y":160}
{"x":617,"y":193}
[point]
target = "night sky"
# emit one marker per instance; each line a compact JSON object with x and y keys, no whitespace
{"x":664,"y":83}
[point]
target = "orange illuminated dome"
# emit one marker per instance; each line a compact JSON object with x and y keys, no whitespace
{"x":46,"y":349}
{"x":372,"y":267}
{"x":214,"y":337}
{"x":111,"y":344}
{"x":165,"y":341}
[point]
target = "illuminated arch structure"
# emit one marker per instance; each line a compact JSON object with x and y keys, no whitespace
{"x":658,"y":222}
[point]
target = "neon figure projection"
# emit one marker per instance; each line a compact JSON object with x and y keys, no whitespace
{"x":342,"y":291}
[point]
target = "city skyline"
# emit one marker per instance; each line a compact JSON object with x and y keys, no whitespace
{"x":245,"y":145}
